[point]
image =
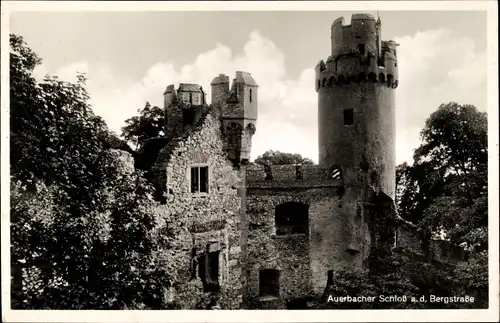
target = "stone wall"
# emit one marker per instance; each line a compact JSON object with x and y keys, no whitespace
{"x":288,"y":253}
{"x":336,"y":237}
{"x":368,"y":144}
{"x":201,"y":221}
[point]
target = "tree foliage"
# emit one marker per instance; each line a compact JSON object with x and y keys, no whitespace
{"x":81,"y":216}
{"x":149,"y":124}
{"x":272,"y":157}
{"x":444,"y":193}
{"x":445,"y":190}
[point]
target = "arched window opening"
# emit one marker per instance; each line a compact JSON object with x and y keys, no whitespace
{"x":292,"y":218}
{"x":372,"y":77}
{"x":361,"y":77}
{"x":390,"y":79}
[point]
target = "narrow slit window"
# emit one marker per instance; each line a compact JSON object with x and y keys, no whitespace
{"x":348,"y":117}
{"x":330,"y":277}
{"x":199,"y":179}
{"x":191,"y":98}
{"x":361,"y":48}
{"x":250,"y":95}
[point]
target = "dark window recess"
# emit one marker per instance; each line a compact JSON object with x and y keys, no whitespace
{"x":292,"y":217}
{"x":250,"y":95}
{"x":269,"y":283}
{"x":190,"y":98}
{"x":208,"y":270}
{"x":361,"y":48}
{"x":188,"y":116}
{"x":298,"y":172}
{"x":199,"y":179}
{"x":348,"y":117}
{"x":330,"y":278}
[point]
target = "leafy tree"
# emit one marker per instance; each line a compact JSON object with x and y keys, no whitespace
{"x":272,"y":157}
{"x":445,"y":190}
{"x":149,"y":124}
{"x":81,"y":216}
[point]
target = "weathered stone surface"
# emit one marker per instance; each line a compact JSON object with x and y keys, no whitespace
{"x":289,"y":225}
{"x":208,"y":220}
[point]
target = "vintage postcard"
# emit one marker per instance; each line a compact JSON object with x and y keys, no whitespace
{"x":249,"y":161}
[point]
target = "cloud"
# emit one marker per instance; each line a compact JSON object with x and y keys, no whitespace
{"x":435,"y":68}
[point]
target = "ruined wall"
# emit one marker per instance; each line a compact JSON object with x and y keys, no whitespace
{"x":202,"y":221}
{"x":409,"y":239}
{"x":334,"y":238}
{"x":172,"y":112}
{"x":220,"y":88}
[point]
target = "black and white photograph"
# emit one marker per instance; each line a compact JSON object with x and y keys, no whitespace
{"x":273,"y":161}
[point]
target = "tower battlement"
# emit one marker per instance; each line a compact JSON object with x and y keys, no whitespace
{"x":358,"y":54}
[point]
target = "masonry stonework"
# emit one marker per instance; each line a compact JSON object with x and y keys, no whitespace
{"x":264,"y":236}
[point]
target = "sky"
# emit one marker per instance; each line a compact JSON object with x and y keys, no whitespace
{"x":131,"y":57}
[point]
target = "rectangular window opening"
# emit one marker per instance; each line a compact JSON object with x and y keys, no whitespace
{"x":348,"y":117}
{"x":330,"y":278}
{"x":187,"y":116}
{"x":199,"y":179}
{"x":269,"y":283}
{"x":208,"y":271}
{"x":361,"y":48}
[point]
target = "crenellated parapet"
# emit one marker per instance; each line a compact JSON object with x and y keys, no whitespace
{"x":239,"y":111}
{"x":358,"y":55}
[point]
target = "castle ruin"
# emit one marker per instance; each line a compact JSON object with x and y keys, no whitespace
{"x":265,"y":236}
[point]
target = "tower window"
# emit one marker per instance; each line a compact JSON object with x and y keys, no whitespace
{"x":348,"y":117}
{"x":361,"y":48}
{"x":191,"y":98}
{"x":250,"y":95}
{"x":269,"y":283}
{"x":199,"y":179}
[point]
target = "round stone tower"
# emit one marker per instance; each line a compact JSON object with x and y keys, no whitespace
{"x":356,"y":106}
